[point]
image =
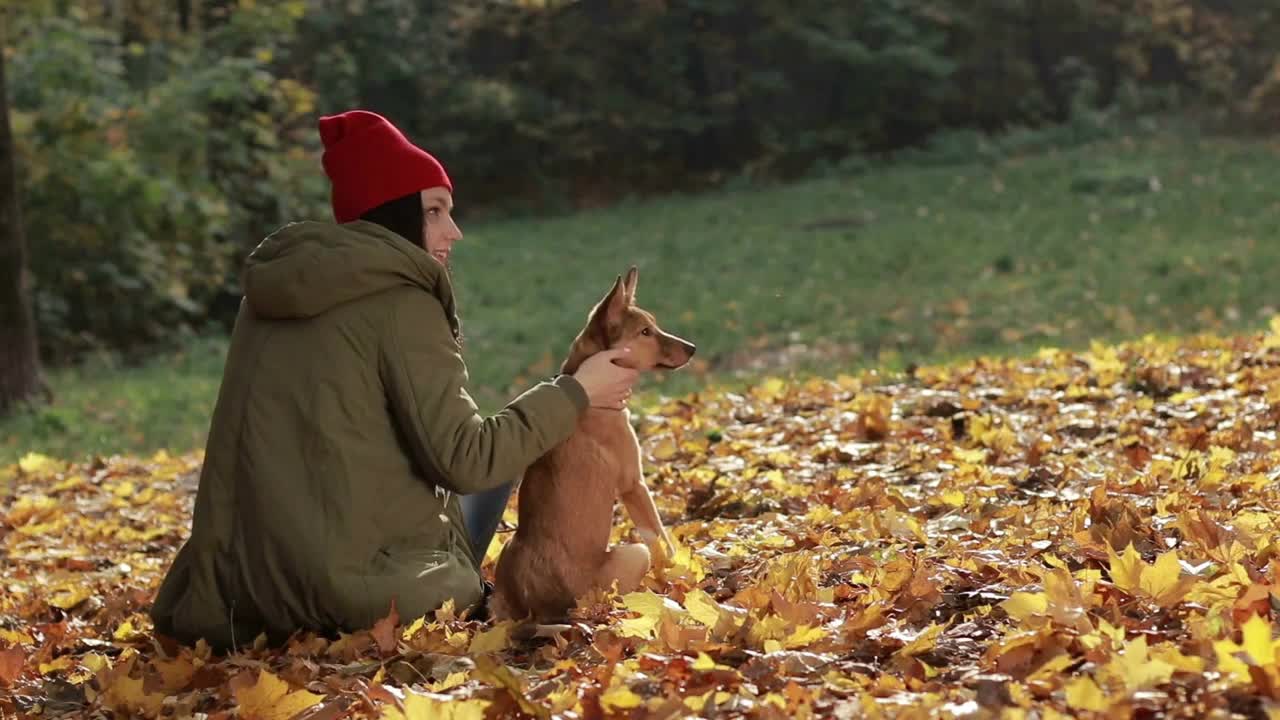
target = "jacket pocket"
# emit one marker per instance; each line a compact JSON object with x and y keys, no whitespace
{"x":420,"y":578}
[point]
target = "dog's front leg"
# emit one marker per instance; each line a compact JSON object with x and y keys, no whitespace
{"x":644,"y":515}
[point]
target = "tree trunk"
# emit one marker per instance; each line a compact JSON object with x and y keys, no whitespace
{"x":19,"y":358}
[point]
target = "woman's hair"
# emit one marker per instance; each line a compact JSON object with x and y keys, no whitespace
{"x":402,"y":216}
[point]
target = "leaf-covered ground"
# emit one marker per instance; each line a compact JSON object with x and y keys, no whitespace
{"x":1055,"y":536}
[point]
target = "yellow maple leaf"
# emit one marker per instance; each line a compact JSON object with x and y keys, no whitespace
{"x":29,"y":508}
{"x":1222,"y":589}
{"x":124,"y":693}
{"x":425,"y":707}
{"x":1084,"y":694}
{"x":1024,"y":606}
{"x":564,"y":700}
{"x":489,"y":670}
{"x":702,"y":607}
{"x":1215,"y":474}
{"x":15,"y":637}
{"x":641,"y":627}
{"x":652,"y":608}
{"x":771,"y":387}
{"x":452,"y":680}
{"x":665,"y":449}
{"x":803,"y":637}
{"x":903,"y":526}
{"x":704,"y":663}
{"x":697,"y":702}
{"x":924,"y":641}
{"x":1163,"y":576}
{"x":1257,"y":649}
{"x":69,"y":595}
{"x":1161,"y":581}
{"x":1272,"y":339}
{"x":1137,"y":668}
{"x":496,"y":639}
{"x":620,"y":697}
{"x":64,"y":662}
{"x":95,"y":662}
{"x":271,"y":699}
{"x":975,"y":456}
{"x":772,"y":627}
{"x":1052,"y":668}
{"x":413,"y":628}
{"x":645,"y":602}
{"x":34,"y":463}
{"x":90,"y":665}
{"x":1173,"y":657}
{"x":126,"y":632}
{"x":1126,"y":569}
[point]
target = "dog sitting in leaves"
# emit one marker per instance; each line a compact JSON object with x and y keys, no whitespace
{"x":561,"y":550}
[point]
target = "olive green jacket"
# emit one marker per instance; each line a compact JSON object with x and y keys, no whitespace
{"x":342,"y":436}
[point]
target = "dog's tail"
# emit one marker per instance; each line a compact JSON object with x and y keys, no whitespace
{"x":528,"y":630}
{"x":525,"y":628}
{"x":500,"y":607}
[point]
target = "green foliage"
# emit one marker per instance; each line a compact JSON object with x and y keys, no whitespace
{"x":160,"y":141}
{"x":595,"y":101}
{"x":136,"y":199}
{"x":124,"y":246}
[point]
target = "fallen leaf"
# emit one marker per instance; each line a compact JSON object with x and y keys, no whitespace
{"x":1084,"y":694}
{"x":270,"y":698}
{"x":620,"y":697}
{"x":122,"y":692}
{"x":11,"y":662}
{"x":384,"y":630}
{"x":495,"y":639}
{"x":425,"y":707}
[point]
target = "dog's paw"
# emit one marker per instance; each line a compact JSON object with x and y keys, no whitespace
{"x":659,"y":550}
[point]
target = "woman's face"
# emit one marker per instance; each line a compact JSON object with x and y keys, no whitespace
{"x":439,"y":231}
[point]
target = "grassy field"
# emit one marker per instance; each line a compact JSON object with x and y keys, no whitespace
{"x":917,"y":262}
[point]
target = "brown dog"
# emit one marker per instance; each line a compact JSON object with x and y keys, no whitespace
{"x":561,"y":546}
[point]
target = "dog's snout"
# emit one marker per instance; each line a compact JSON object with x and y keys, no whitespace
{"x":689,"y":347}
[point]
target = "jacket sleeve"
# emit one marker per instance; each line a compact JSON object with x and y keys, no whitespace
{"x":425,"y":379}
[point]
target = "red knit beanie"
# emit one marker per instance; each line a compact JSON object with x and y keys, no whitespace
{"x":370,"y":162}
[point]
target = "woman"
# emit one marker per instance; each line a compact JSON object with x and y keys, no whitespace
{"x":343,"y":433}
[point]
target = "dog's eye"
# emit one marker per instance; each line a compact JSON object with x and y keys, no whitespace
{"x":646,"y":332}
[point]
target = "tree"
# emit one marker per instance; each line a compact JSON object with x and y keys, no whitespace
{"x":20,"y":377}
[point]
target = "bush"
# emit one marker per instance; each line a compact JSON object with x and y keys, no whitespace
{"x":134,"y":232}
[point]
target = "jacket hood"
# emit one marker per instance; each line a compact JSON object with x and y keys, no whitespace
{"x":304,"y":269}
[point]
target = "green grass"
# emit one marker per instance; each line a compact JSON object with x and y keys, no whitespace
{"x":912,"y":263}
{"x":100,"y":408}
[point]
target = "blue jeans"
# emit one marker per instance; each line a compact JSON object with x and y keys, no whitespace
{"x":481,"y":513}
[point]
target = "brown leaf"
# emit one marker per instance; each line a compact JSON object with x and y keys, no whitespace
{"x":500,"y":676}
{"x":11,"y":662}
{"x":384,"y":631}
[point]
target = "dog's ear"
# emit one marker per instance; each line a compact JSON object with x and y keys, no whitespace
{"x":630,"y":284}
{"x":615,"y":303}
{"x":607,"y":314}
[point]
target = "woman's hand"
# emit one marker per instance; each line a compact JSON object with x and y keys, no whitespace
{"x":608,"y":385}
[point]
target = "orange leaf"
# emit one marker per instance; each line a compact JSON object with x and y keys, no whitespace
{"x":11,"y":662}
{"x":384,"y":630}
